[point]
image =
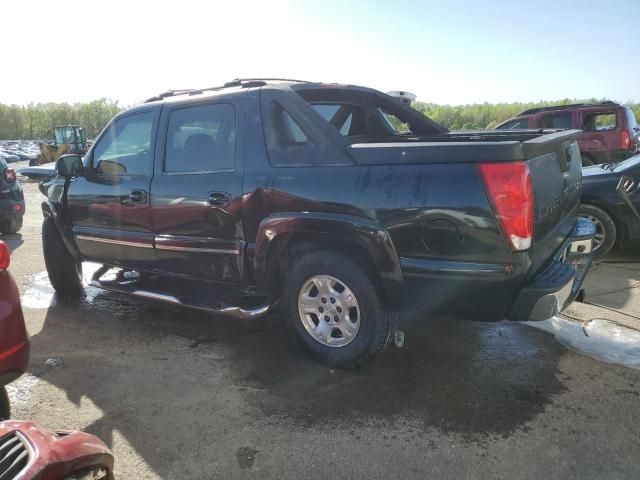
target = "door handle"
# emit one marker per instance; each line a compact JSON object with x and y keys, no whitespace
{"x":219,"y":199}
{"x":137,"y":196}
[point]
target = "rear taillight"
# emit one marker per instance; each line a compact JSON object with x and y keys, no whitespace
{"x":508,"y":186}
{"x":10,"y":175}
{"x":5,"y":259}
{"x":625,"y":140}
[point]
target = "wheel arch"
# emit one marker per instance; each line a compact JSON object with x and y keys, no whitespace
{"x":53,"y":211}
{"x":284,"y":237}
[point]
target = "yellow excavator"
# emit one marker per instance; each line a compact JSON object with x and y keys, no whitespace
{"x":68,"y":139}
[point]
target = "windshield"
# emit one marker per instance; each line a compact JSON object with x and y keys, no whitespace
{"x":64,"y":135}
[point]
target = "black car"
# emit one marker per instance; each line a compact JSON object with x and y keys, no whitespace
{"x":611,"y":200}
{"x":338,"y":203}
{"x":11,"y":200}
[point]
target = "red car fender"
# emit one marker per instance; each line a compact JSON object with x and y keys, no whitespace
{"x":56,"y":455}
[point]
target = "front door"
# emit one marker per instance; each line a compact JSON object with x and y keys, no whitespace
{"x":197,"y":193}
{"x":109,"y":204}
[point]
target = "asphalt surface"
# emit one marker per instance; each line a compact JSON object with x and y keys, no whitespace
{"x":183,"y":395}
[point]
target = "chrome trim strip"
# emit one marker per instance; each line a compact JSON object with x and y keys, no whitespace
{"x":176,"y":248}
{"x":227,"y":311}
{"x":114,"y":242}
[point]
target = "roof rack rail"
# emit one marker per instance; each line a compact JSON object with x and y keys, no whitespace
{"x":237,"y":82}
{"x":562,"y":107}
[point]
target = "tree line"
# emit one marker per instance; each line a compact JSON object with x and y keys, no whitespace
{"x":36,"y":121}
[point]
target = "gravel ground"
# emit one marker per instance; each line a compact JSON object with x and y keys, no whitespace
{"x":180,"y":394}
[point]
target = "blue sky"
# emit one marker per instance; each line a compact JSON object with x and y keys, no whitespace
{"x":446,"y":52}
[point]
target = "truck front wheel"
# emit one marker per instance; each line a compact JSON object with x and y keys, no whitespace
{"x":334,"y":308}
{"x":65,"y":273}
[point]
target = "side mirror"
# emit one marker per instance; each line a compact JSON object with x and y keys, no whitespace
{"x":69,"y":165}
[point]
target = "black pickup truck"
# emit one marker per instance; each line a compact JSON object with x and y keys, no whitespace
{"x":347,"y":208}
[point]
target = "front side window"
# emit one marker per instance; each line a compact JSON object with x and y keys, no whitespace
{"x":201,"y":139}
{"x":556,"y":120}
{"x":595,"y":122}
{"x":125,"y":148}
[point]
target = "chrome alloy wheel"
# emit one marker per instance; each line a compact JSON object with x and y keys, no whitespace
{"x":600,"y":236}
{"x":329,"y":311}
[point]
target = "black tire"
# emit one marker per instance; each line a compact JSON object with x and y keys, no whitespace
{"x":5,"y":407}
{"x":374,"y":322}
{"x":65,"y":273}
{"x":606,"y":232}
{"x":11,"y":226}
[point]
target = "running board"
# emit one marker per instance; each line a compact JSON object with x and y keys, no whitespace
{"x":189,"y":294}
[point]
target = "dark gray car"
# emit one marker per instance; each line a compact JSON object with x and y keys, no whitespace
{"x":11,"y":200}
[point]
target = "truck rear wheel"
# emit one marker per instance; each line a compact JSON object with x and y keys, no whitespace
{"x":11,"y":226}
{"x":65,"y":273}
{"x":606,"y":233}
{"x":5,"y":408}
{"x":332,"y":305}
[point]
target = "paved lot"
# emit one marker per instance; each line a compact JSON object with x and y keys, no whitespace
{"x":181,"y":394}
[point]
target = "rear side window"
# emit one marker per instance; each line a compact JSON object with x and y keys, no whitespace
{"x":201,"y":139}
{"x":515,"y":124}
{"x":393,"y":123}
{"x":595,"y":122}
{"x":347,"y":119}
{"x":556,"y":120}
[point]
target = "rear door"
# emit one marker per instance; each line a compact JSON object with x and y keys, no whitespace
{"x":197,"y":191}
{"x":109,"y":205}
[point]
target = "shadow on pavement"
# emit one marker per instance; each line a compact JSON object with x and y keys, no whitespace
{"x":157,"y":371}
{"x":613,"y":282}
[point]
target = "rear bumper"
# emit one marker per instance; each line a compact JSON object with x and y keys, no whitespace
{"x":557,"y":285}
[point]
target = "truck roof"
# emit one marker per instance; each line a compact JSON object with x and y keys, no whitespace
{"x":531,"y":111}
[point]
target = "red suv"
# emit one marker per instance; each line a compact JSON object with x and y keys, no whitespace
{"x":610,"y":132}
{"x":14,"y":342}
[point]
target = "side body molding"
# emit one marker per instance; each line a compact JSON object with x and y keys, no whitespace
{"x":353,"y":232}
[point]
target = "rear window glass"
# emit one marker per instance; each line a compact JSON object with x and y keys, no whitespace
{"x":347,"y":119}
{"x":393,"y":122}
{"x":515,"y":124}
{"x":556,"y":120}
{"x":201,"y":139}
{"x":599,"y":121}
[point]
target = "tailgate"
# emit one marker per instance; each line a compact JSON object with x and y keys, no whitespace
{"x":556,"y":175}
